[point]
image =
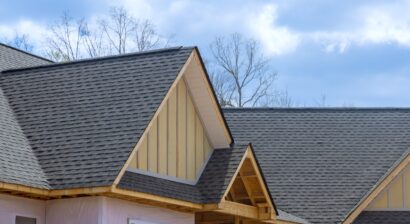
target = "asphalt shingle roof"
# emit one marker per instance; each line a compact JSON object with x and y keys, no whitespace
{"x":82,"y":119}
{"x":18,"y":163}
{"x":319,"y":163}
{"x":383,"y":217}
{"x":210,"y":187}
{"x":14,"y":58}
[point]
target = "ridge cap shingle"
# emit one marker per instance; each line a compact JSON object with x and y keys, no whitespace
{"x":96,"y":59}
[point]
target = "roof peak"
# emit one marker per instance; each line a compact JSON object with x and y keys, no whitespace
{"x":100,"y":58}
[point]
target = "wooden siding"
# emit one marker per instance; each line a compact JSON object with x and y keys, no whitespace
{"x":176,"y":144}
{"x":396,"y":196}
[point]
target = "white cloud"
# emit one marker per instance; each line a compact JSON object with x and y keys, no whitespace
{"x":387,"y":24}
{"x":198,"y":21}
{"x":207,"y":19}
{"x":36,"y":32}
{"x":375,"y":24}
{"x":276,"y":39}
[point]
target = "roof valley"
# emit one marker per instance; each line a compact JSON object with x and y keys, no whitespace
{"x":24,"y":148}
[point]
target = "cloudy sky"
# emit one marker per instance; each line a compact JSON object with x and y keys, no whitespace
{"x":353,"y":52}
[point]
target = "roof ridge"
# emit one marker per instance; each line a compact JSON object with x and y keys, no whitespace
{"x":25,"y":52}
{"x":57,"y":64}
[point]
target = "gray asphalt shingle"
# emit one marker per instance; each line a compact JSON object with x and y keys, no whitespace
{"x":210,"y":187}
{"x":319,"y":163}
{"x":18,"y":163}
{"x":82,"y":119}
{"x":383,"y":217}
{"x":14,"y":58}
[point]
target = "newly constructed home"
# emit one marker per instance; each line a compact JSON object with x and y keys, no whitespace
{"x":141,"y":139}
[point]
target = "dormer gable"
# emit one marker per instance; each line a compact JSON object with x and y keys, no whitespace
{"x":186,"y":128}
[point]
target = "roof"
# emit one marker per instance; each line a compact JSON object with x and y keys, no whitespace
{"x":319,"y":163}
{"x":18,"y":163}
{"x":11,"y":57}
{"x":82,"y":119}
{"x":383,"y":217}
{"x":284,"y":216}
{"x":210,"y":187}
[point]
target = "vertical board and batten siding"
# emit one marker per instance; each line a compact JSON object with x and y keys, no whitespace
{"x":396,"y":196}
{"x":176,"y":144}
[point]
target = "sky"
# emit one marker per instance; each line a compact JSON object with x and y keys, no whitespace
{"x":350,"y":53}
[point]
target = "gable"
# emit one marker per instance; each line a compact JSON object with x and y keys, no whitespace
{"x":185,"y":128}
{"x":176,"y":145}
{"x":247,"y":187}
{"x":395,"y":196}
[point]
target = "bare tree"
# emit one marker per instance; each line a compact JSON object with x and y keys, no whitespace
{"x":146,"y":37}
{"x":118,"y":28}
{"x":118,"y":33}
{"x":21,"y":42}
{"x":322,"y":101}
{"x":242,"y":75}
{"x":93,"y":41}
{"x":65,"y":40}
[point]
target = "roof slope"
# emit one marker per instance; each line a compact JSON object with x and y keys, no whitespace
{"x":210,"y":188}
{"x":18,"y":163}
{"x":14,"y":58}
{"x":383,"y":217}
{"x":319,"y":163}
{"x":83,"y":118}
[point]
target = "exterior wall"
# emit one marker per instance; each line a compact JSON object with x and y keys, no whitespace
{"x":84,"y":210}
{"x":10,"y":206}
{"x":118,"y":211}
{"x":396,"y":196}
{"x":176,"y":144}
{"x":105,"y":210}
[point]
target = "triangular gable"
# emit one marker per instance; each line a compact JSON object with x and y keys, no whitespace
{"x":202,"y":105}
{"x":247,"y":194}
{"x":375,"y":199}
{"x":395,"y":196}
{"x":177,"y":145}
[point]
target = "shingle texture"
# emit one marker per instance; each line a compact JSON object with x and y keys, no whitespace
{"x":83,"y":119}
{"x":18,"y":163}
{"x":210,"y":187}
{"x":319,"y":163}
{"x":383,"y":217}
{"x":13,"y":58}
{"x":284,"y":216}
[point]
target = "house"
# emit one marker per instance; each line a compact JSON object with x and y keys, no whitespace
{"x":141,"y":139}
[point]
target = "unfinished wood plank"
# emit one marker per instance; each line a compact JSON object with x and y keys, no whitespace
{"x":172,"y":134}
{"x":199,"y":142}
{"x":153,"y":148}
{"x":142,"y":155}
{"x":134,"y":162}
{"x":163,"y":141}
{"x":191,"y":170}
{"x":396,"y":193}
{"x":181,"y":119}
{"x":207,"y":148}
{"x":406,"y":179}
{"x":380,"y":201}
